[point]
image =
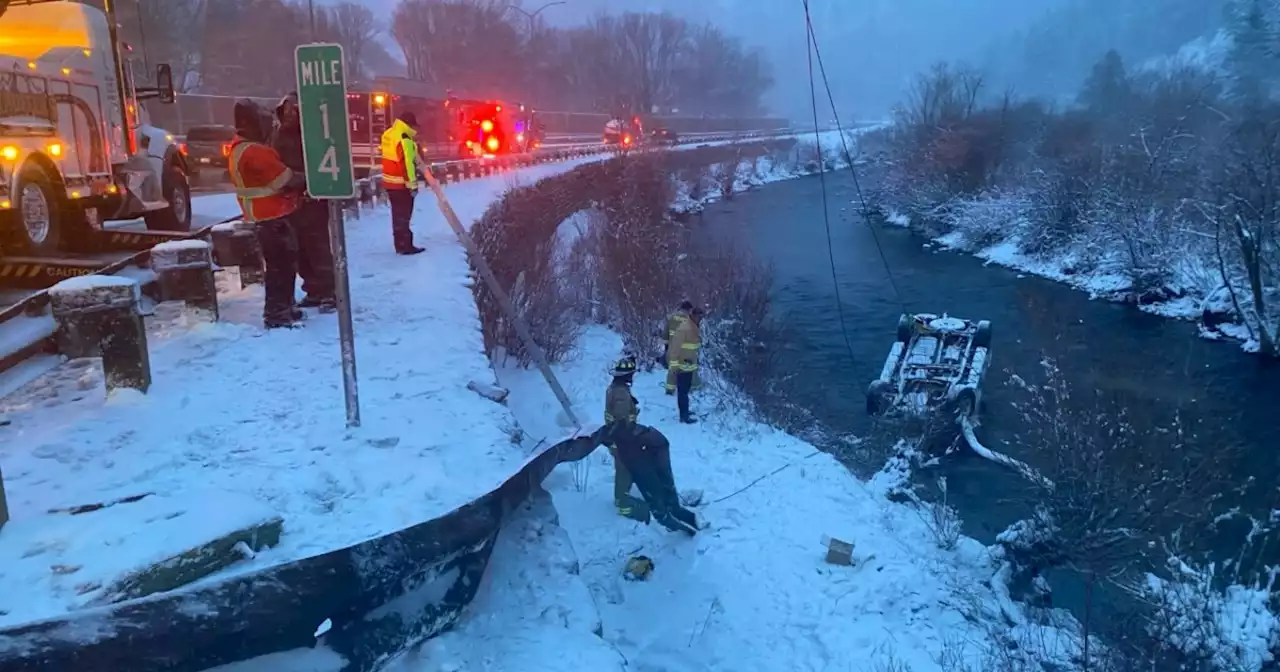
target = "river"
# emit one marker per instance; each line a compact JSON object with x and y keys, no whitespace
{"x":1151,"y":364}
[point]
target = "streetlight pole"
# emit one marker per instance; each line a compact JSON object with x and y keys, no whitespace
{"x":532,"y":16}
{"x":311,"y":8}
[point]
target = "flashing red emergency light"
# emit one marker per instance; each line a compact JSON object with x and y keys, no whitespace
{"x":492,"y":144}
{"x":626,"y":139}
{"x":486,"y":126}
{"x":379,"y":99}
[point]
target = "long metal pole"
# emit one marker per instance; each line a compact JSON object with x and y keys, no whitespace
{"x":311,"y":7}
{"x":346,"y":331}
{"x":504,"y":300}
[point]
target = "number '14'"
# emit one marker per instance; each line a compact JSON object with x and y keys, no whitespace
{"x":328,"y":162}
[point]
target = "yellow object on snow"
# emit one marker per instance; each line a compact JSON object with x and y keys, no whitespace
{"x":638,"y":568}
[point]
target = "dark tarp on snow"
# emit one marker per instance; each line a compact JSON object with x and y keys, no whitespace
{"x":381,"y":597}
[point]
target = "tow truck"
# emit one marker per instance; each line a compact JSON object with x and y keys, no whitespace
{"x":76,"y":147}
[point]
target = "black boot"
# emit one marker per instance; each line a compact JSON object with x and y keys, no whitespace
{"x":688,"y":419}
{"x":280,"y":322}
{"x":411,"y":250}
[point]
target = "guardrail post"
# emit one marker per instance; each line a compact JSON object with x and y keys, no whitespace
{"x":185,"y":270}
{"x":98,"y":315}
{"x":236,"y":244}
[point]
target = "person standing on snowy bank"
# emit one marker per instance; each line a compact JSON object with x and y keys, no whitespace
{"x":400,"y":178}
{"x":677,"y":318}
{"x":311,"y":221}
{"x":268,"y":193}
{"x":682,"y":360}
{"x":642,"y":455}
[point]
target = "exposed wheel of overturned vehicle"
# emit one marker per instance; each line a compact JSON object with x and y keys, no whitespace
{"x":906,"y":327}
{"x":981,"y":335}
{"x":878,"y":397}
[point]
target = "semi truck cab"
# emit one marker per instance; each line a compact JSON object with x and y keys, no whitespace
{"x":76,"y":147}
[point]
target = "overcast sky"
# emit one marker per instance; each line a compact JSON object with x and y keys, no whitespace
{"x":872,"y":48}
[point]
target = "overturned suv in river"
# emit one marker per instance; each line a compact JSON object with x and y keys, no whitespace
{"x":936,"y":364}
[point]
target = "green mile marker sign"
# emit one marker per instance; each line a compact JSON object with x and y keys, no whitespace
{"x":322,"y":108}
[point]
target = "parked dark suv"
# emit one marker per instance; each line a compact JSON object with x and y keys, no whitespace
{"x":208,"y":148}
{"x":664,"y":136}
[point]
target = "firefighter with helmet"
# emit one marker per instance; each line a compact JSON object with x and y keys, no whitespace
{"x":400,"y":178}
{"x":268,"y":193}
{"x":683,"y":345}
{"x":641,"y":456}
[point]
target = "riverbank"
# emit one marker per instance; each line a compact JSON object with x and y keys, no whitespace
{"x":1191,"y":295}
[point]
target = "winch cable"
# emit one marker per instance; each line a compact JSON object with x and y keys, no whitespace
{"x":822,"y":175}
{"x":815,"y":51}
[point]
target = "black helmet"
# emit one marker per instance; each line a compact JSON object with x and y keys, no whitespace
{"x":686,"y":305}
{"x":409,"y":118}
{"x":625,"y":366}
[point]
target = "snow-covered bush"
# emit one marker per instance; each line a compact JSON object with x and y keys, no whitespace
{"x":1189,"y":621}
{"x":941,"y":518}
{"x":989,"y":218}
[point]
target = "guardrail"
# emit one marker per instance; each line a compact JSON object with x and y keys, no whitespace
{"x":435,"y":566}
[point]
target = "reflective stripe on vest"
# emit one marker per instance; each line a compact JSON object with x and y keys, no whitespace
{"x":395,"y":171}
{"x":247,"y":195}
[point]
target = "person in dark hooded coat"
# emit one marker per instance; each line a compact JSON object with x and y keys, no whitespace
{"x":311,"y":220}
{"x":269,"y":193}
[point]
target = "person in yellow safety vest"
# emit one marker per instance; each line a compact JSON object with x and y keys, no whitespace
{"x":400,"y":178}
{"x":682,"y":360}
{"x":681,"y":314}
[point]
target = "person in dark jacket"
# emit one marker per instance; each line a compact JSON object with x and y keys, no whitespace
{"x":268,"y":192}
{"x":645,"y":456}
{"x":311,"y":221}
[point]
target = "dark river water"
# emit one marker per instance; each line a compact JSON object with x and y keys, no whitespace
{"x":1154,"y":365}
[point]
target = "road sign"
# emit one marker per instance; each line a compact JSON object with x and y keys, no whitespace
{"x":322,"y":109}
{"x":326,"y":150}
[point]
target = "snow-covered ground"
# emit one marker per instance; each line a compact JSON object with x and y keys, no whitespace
{"x":753,"y":592}
{"x":533,"y":613}
{"x":241,"y":424}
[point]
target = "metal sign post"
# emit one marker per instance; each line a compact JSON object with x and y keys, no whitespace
{"x":326,"y":150}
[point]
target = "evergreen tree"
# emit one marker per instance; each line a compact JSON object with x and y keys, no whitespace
{"x":1106,"y":91}
{"x":1252,"y":61}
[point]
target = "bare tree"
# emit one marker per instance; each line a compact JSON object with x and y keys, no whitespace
{"x":467,"y":45}
{"x":162,"y":31}
{"x":355,"y":29}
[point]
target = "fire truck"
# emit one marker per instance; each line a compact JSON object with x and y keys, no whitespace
{"x":625,"y":134}
{"x":76,"y":148}
{"x":449,"y":127}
